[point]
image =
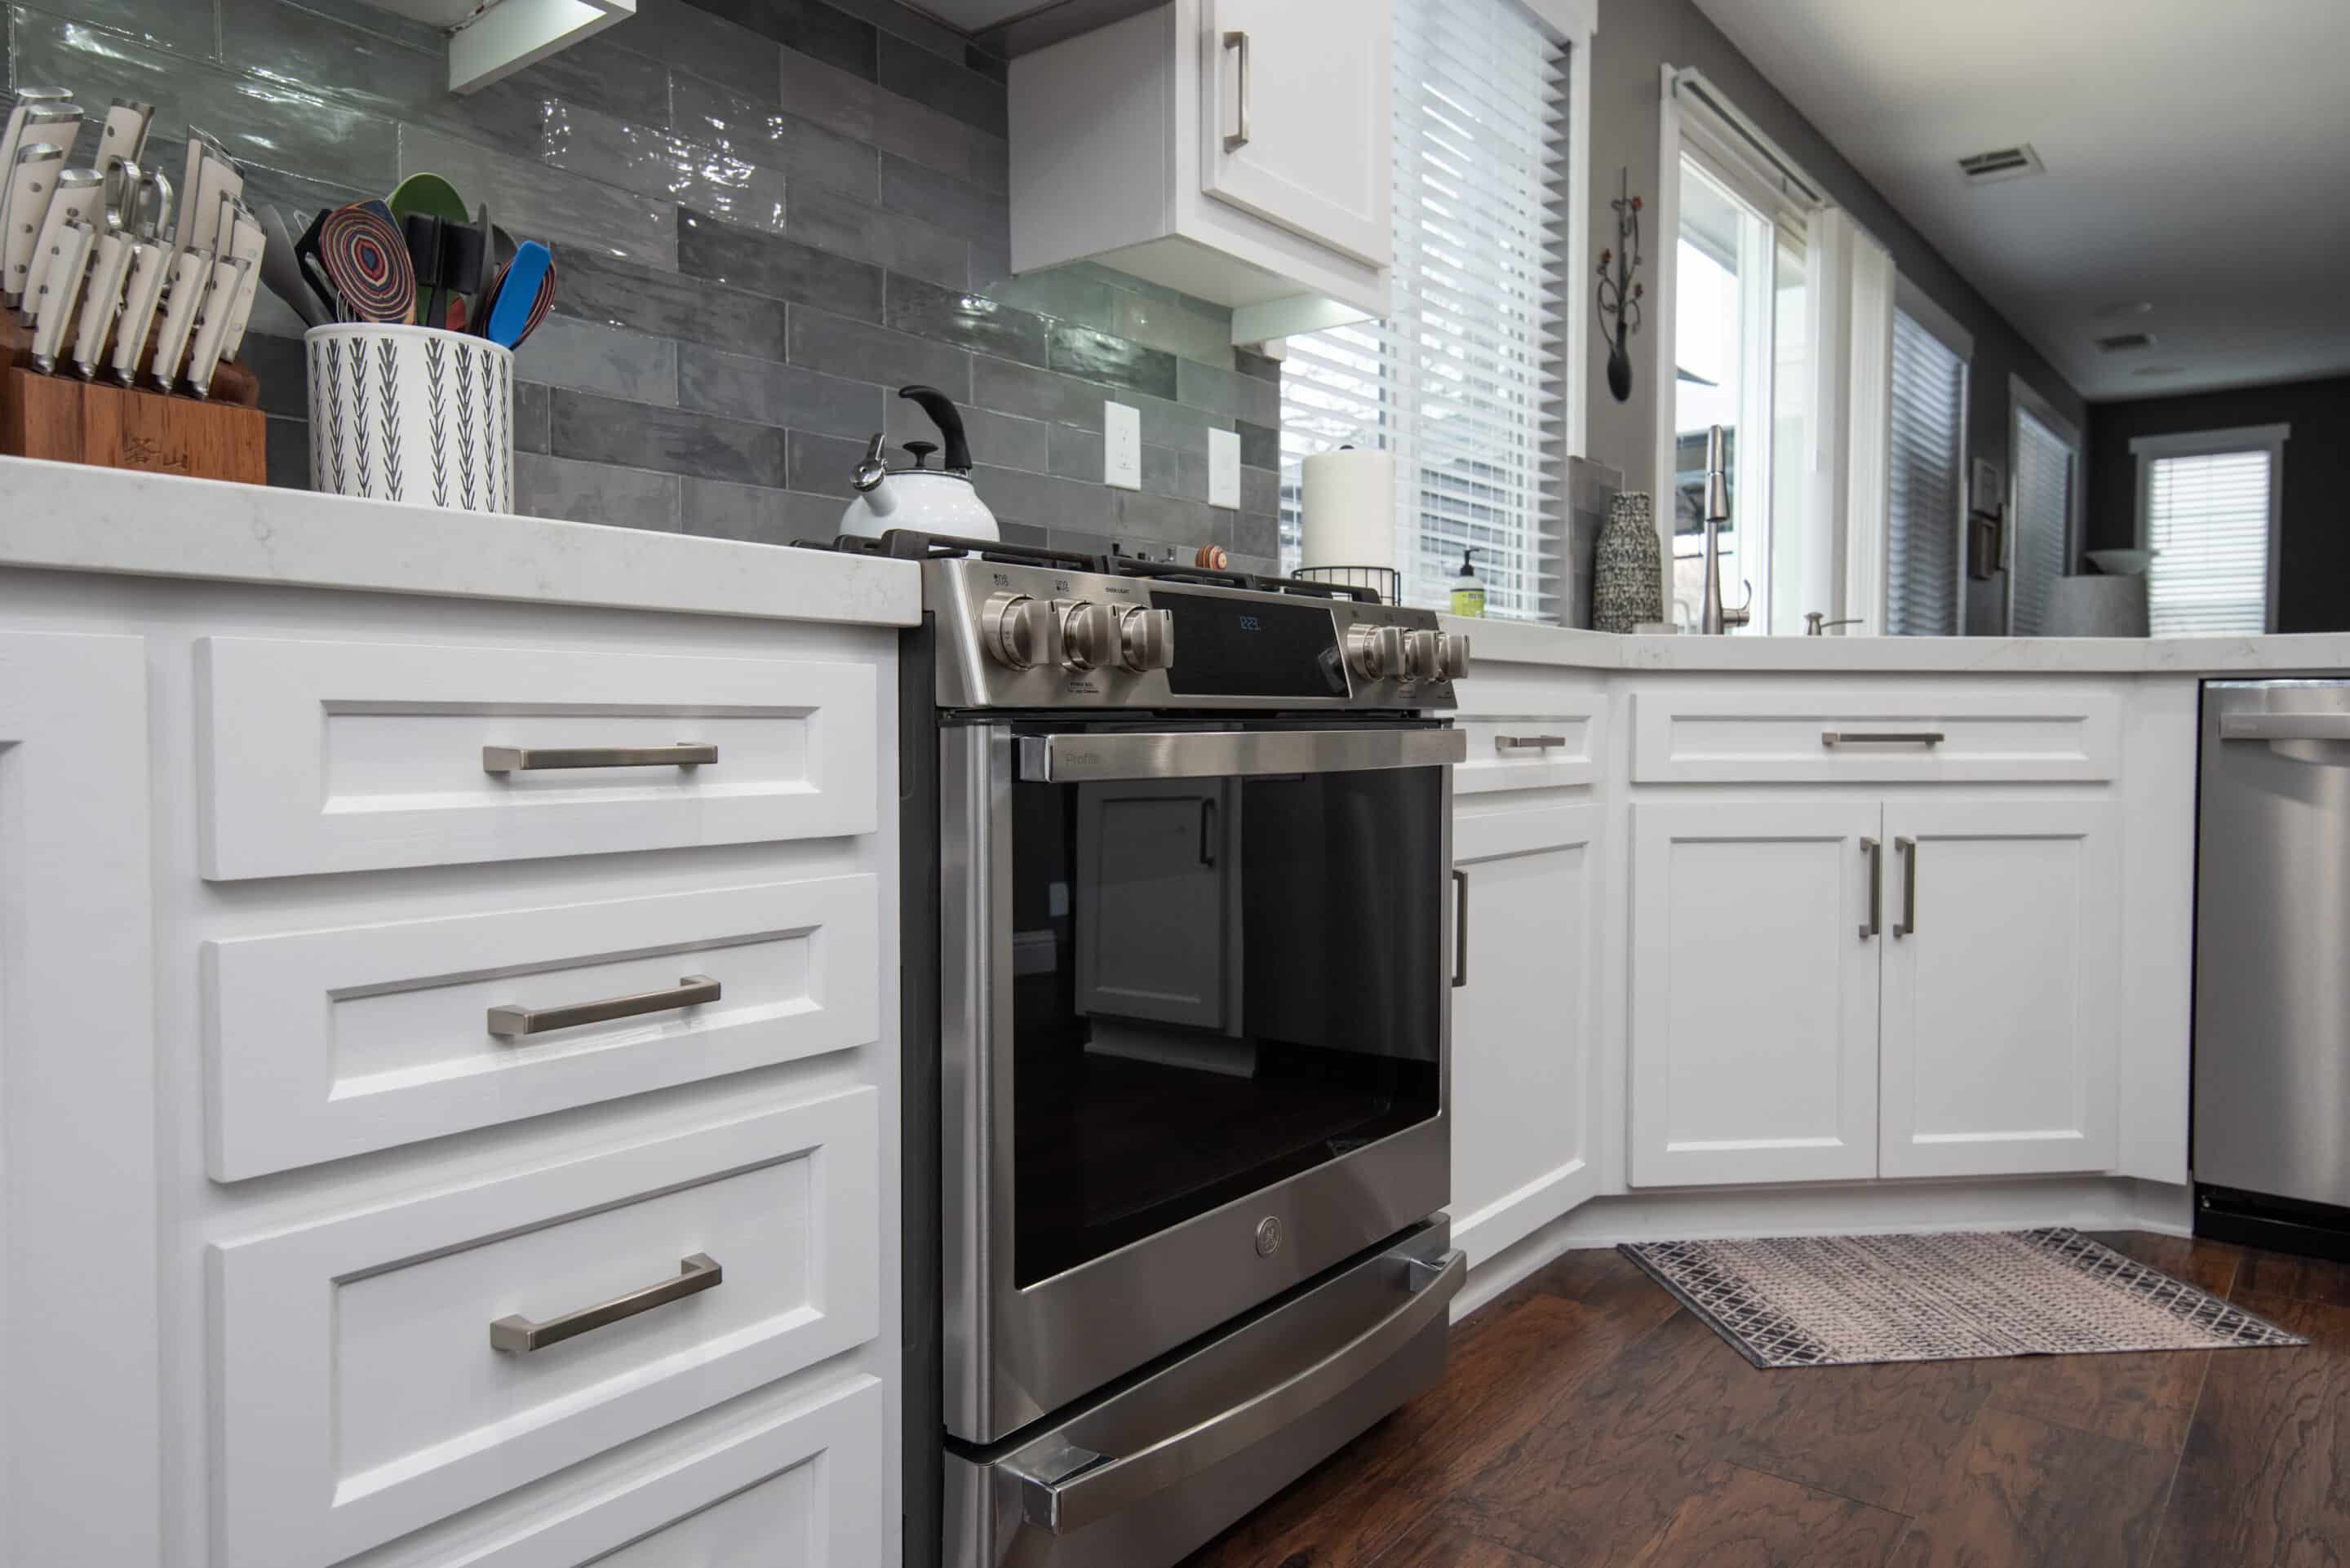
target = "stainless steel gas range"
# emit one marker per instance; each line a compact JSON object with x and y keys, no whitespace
{"x":1194,"y":917}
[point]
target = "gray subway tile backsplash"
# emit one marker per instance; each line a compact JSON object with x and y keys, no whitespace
{"x":767,"y":215}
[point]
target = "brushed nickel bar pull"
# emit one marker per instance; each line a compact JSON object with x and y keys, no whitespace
{"x":695,"y":1274}
{"x":530,"y":759}
{"x":1239,"y":139}
{"x":1834,"y":738}
{"x":1876,"y":852}
{"x":508,"y":1021}
{"x":1459,"y":928}
{"x":1908,"y":847}
{"x":1527,"y":742}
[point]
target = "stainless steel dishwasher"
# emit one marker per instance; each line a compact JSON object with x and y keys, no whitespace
{"x":2272,"y":1130}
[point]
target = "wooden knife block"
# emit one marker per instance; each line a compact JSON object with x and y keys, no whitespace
{"x":65,"y":418}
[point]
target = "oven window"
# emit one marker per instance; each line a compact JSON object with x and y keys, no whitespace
{"x":1218,"y":984}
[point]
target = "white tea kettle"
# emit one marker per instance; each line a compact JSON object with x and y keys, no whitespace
{"x":925,"y":500}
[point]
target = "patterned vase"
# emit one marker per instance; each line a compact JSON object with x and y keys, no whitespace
{"x":1628,"y":570}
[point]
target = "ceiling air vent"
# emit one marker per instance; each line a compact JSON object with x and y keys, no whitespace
{"x":2003,"y":163}
{"x":2125,"y":342}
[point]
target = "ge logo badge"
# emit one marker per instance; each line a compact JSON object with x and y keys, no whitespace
{"x":1268,"y":1236}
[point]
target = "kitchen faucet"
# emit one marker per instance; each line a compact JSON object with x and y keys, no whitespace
{"x":1715,"y":618}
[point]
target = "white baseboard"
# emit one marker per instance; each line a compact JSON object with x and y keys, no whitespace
{"x":2088,"y":1203}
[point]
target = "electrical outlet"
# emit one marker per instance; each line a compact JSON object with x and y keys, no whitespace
{"x":1225,"y":469}
{"x":1122,"y":446}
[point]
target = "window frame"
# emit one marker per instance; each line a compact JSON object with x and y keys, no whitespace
{"x":1914,"y":302}
{"x":2021,"y":398}
{"x":2144,"y":449}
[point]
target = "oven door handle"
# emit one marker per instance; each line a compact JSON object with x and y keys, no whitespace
{"x":1230,"y":753}
{"x":1063,"y":1488}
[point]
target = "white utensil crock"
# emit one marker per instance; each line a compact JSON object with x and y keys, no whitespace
{"x":408,"y":413}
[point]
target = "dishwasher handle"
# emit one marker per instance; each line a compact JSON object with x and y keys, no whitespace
{"x":2284,"y":726}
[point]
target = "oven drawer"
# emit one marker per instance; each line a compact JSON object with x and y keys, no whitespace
{"x":382,"y":1369}
{"x":351,"y":756}
{"x":1151,"y":1472}
{"x":1803,"y":734}
{"x":1540,"y":751}
{"x":326,"y":1043}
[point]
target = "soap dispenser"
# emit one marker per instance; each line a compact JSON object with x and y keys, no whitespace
{"x":1468,"y":589}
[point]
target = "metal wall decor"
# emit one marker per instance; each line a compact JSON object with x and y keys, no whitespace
{"x":1620,"y":294}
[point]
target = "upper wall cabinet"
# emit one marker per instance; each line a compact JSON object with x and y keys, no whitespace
{"x":1236,"y":150}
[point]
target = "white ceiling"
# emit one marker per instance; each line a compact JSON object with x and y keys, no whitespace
{"x":2198,"y":153}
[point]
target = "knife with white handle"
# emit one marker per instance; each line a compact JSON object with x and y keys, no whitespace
{"x":12,"y":132}
{"x":150,"y":260}
{"x":229,"y":276}
{"x":60,"y":282}
{"x":124,"y":135}
{"x":74,"y":200}
{"x":247,"y":241}
{"x":191,"y":272}
{"x":217,"y":180}
{"x":23,"y":206}
{"x":101,"y":297}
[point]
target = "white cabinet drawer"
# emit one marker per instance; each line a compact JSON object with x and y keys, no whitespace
{"x":332,"y":1043}
{"x":349,"y":756}
{"x":360,"y":1394}
{"x":1801,"y":735}
{"x":1545,"y":751}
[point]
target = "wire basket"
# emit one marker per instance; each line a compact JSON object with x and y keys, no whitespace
{"x":1385,"y":581}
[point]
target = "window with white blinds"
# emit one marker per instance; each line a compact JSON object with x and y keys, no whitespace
{"x":2046,"y":464}
{"x":2207,"y":511}
{"x":1921,"y":549}
{"x":1461,"y":381}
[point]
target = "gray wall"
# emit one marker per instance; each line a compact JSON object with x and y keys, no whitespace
{"x":767,"y":214}
{"x":1636,"y":39}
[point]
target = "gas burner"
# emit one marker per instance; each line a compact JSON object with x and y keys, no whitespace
{"x":905,"y":544}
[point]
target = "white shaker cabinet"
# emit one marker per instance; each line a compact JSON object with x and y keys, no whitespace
{"x":1754,"y":989}
{"x":2002,"y":987}
{"x":1239,"y":151}
{"x":1524,"y":1021}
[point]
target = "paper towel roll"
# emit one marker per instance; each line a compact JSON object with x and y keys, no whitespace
{"x":1348,"y":514}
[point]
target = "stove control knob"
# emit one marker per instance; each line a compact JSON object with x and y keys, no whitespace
{"x":1375,"y":652}
{"x":1146,"y":639}
{"x":1423,"y":658}
{"x":1453,"y":655}
{"x":1089,"y":634}
{"x":1012,"y":628}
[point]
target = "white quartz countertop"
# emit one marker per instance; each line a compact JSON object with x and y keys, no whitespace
{"x":67,"y":517}
{"x":1518,"y":643}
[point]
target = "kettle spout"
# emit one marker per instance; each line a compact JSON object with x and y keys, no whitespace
{"x":872,"y":480}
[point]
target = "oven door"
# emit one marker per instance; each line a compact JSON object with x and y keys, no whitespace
{"x":1196,"y":1032}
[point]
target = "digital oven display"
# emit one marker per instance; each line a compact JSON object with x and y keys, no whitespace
{"x":1225,"y":648}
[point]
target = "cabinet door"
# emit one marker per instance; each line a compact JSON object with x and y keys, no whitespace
{"x":1522,"y":1097}
{"x":1153,"y":863}
{"x":1294,"y":117}
{"x":2002,"y":985}
{"x":78,"y":1246}
{"x":1754,"y":977}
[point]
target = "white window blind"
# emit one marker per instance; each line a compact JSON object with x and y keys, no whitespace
{"x":2207,"y":518}
{"x":1928,"y":415}
{"x":2044,"y":509}
{"x":1460,"y":382}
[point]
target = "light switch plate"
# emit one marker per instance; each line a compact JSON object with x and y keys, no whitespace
{"x":1225,"y":469}
{"x":1122,"y":446}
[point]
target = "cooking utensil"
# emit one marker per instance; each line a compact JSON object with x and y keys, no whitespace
{"x":217,"y":179}
{"x":497,"y":254}
{"x":428,"y":195}
{"x":426,"y":239}
{"x":282,"y":273}
{"x":101,"y":298}
{"x":523,"y":293}
{"x":248,"y":243}
{"x":74,"y":201}
{"x":12,"y":132}
{"x":25,"y":205}
{"x":124,"y":133}
{"x":229,"y":272}
{"x":149,"y":260}
{"x":190,"y":271}
{"x":61,"y":283}
{"x":365,"y":257}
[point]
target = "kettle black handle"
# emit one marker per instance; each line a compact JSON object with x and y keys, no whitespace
{"x":944,"y":414}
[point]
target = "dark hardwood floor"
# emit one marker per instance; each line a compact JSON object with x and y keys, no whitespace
{"x":1588,"y":1422}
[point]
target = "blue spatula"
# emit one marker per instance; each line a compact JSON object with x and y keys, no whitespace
{"x":509,"y":319}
